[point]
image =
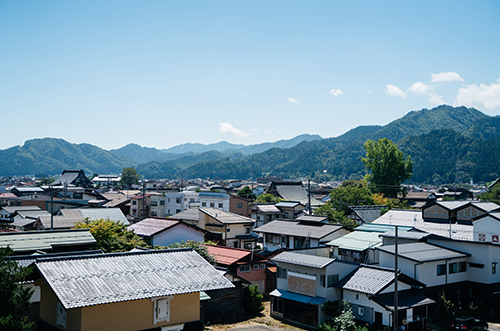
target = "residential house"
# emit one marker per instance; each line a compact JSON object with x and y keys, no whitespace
{"x":25,"y":220}
{"x":190,"y":216}
{"x":29,"y":242}
{"x":23,"y":191}
{"x":292,"y":191}
{"x":304,"y":283}
{"x":243,"y":263}
{"x":139,"y":207}
{"x":116,"y":200}
{"x":215,"y":200}
{"x":7,"y":213}
{"x":370,"y":292}
{"x":66,"y":218}
{"x":418,"y":199}
{"x":290,"y":209}
{"x":9,"y":199}
{"x":164,"y":232}
{"x":239,"y":205}
{"x":364,"y":214}
{"x":146,"y":290}
{"x":174,"y":202}
{"x":232,"y":230}
{"x":106,"y":180}
{"x":301,"y":233}
{"x":265,"y":213}
{"x":157,"y":205}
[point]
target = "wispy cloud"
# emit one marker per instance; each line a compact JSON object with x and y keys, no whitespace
{"x":336,"y":92}
{"x":394,"y":91}
{"x":292,"y":100}
{"x":228,"y":128}
{"x":482,"y":96}
{"x":448,"y":76}
{"x":435,"y":99}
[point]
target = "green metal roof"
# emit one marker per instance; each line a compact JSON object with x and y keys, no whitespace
{"x":357,"y":241}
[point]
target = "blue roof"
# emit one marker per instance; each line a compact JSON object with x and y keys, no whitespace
{"x":297,"y":297}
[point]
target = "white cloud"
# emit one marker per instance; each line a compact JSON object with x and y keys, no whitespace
{"x":369,"y":92}
{"x":435,"y":99}
{"x":394,"y":91}
{"x":254,"y":130}
{"x":336,"y":92}
{"x":419,"y":88}
{"x":228,"y":128}
{"x":292,"y":100}
{"x":479,"y":96}
{"x":446,"y":77}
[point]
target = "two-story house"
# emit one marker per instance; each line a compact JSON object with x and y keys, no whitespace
{"x":304,"y":283}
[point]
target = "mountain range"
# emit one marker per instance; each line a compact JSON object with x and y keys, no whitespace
{"x":447,"y":144}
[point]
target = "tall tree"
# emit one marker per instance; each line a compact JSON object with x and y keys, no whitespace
{"x":387,"y":166}
{"x":129,"y":177}
{"x":14,"y":299}
{"x":246,"y":193}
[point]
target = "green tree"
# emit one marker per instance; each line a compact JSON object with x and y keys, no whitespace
{"x":345,"y":322}
{"x":199,"y":246}
{"x":247,"y":193}
{"x":387,"y":166}
{"x":252,"y":300}
{"x":14,"y":299}
{"x":129,"y":177}
{"x":267,"y":198}
{"x":493,"y":195}
{"x":111,"y":236}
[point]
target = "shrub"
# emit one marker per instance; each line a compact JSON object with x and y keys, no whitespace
{"x":252,"y":300}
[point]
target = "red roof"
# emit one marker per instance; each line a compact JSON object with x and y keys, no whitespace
{"x":227,"y":255}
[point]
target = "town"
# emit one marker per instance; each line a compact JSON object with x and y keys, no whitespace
{"x":187,"y":254}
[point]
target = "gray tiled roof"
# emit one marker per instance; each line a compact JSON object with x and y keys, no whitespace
{"x":367,"y":279}
{"x":291,"y":228}
{"x":107,"y":278}
{"x":422,"y":252}
{"x":227,"y":217}
{"x":13,"y":209}
{"x":45,"y":240}
{"x":303,"y":259}
{"x":296,"y":193}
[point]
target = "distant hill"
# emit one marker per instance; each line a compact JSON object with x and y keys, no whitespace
{"x":446,"y":143}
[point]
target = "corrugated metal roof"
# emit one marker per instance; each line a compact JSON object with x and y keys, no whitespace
{"x":287,"y":204}
{"x":191,"y":214}
{"x":297,"y":297}
{"x":107,"y":278}
{"x":375,"y":227}
{"x":13,"y":209}
{"x":357,"y":241}
{"x":423,"y":252}
{"x":303,"y":259}
{"x":151,"y":226}
{"x":367,"y":279}
{"x":227,"y":255}
{"x":227,"y":217}
{"x":59,"y":222}
{"x":267,"y":208}
{"x":290,"y":228}
{"x":44,"y":240}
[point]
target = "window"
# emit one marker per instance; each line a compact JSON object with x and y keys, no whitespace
{"x":441,"y":269}
{"x":476,"y":265}
{"x":361,"y":311}
{"x":245,"y":268}
{"x":220,"y":205}
{"x":263,"y":266}
{"x":281,"y":272}
{"x":203,"y":204}
{"x":269,"y":238}
{"x":168,"y":211}
{"x":162,"y":310}
{"x":154,"y":203}
{"x":452,"y":268}
{"x":239,"y":205}
{"x":278,"y":305}
{"x":462,"y":266}
{"x":247,"y":246}
{"x":332,"y":279}
{"x":212,"y":204}
{"x":162,"y":202}
{"x":494,"y":268}
{"x":61,"y":315}
{"x":247,"y":230}
{"x":255,"y":267}
{"x":153,"y":213}
{"x":322,"y":280}
{"x":134,"y":202}
{"x":177,"y":211}
{"x":228,"y":230}
{"x":168,"y":200}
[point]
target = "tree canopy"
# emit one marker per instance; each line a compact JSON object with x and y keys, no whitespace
{"x":129,"y":177}
{"x":14,"y":298}
{"x":387,"y":166}
{"x":111,"y":236}
{"x":246,"y":193}
{"x":198,"y":246}
{"x":267,"y":198}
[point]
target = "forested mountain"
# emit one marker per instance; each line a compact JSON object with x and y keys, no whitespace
{"x":447,"y":144}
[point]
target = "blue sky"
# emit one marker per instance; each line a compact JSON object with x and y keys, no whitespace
{"x":162,"y":73}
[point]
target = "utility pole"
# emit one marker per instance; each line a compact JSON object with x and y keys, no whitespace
{"x":395,"y":323}
{"x":143,"y":200}
{"x":309,"y":195}
{"x":51,"y":208}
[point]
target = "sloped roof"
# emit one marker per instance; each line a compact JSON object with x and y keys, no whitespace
{"x":293,"y":191}
{"x":227,"y":255}
{"x":190,"y":214}
{"x":93,"y":280}
{"x":414,"y":219}
{"x":267,"y":208}
{"x":288,"y":204}
{"x":367,"y":213}
{"x":303,"y":259}
{"x":59,"y":222}
{"x":113,"y":214}
{"x":13,"y":209}
{"x":150,"y":226}
{"x":367,"y":279}
{"x":290,"y":228}
{"x":423,"y":252}
{"x":407,"y":299}
{"x":45,"y":240}
{"x":312,"y":218}
{"x":357,"y":241}
{"x":227,"y":217}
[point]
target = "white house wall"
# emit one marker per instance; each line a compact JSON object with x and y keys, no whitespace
{"x":487,"y":229}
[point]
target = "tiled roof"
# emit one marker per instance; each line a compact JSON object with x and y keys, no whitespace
{"x":227,"y":217}
{"x":295,"y":192}
{"x":13,"y":209}
{"x":290,"y":228}
{"x":423,"y":252}
{"x":414,"y":218}
{"x":45,"y":240}
{"x":114,"y":214}
{"x":367,"y":213}
{"x":267,"y":208}
{"x":227,"y":255}
{"x":93,"y":280}
{"x":59,"y":222}
{"x":367,"y":279}
{"x":151,"y":226}
{"x":27,"y":260}
{"x":303,"y":259}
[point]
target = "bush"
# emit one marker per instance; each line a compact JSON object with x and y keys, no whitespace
{"x":252,"y":300}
